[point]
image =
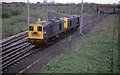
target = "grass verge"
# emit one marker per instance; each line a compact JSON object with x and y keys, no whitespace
{"x":90,"y":53}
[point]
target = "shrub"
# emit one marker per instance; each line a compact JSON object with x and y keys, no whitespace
{"x":7,"y":12}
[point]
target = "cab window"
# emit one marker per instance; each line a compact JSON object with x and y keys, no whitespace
{"x":39,"y":28}
{"x":70,"y":23}
{"x":60,"y":26}
{"x":31,"y":28}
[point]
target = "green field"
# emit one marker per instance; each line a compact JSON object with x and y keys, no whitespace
{"x":14,"y":16}
{"x":90,"y":53}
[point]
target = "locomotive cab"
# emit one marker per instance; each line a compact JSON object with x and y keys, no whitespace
{"x":35,"y":33}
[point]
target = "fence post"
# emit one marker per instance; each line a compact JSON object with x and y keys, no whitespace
{"x":70,"y":41}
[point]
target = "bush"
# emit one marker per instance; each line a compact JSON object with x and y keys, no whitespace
{"x":7,"y":12}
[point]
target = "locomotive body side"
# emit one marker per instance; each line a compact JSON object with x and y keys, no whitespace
{"x":51,"y":29}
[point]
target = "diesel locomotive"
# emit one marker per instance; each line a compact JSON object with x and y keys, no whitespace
{"x":43,"y":31}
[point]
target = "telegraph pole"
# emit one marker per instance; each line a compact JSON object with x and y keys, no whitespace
{"x":28,"y":12}
{"x":98,"y":13}
{"x":81,"y":19}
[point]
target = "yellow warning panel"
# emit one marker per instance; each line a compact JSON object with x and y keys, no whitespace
{"x":65,"y":22}
{"x":37,"y":32}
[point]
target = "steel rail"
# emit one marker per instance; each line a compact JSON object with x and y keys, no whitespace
{"x":5,"y":57}
{"x":18,"y":57}
{"x":13,"y":40}
{"x":14,"y":44}
{"x":14,"y":55}
{"x":12,"y":37}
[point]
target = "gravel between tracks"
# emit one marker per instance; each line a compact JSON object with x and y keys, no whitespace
{"x":42,"y":56}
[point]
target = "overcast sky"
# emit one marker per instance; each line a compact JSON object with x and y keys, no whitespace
{"x":67,"y":1}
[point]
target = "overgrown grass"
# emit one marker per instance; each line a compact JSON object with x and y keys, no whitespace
{"x":90,"y":53}
{"x":0,"y":28}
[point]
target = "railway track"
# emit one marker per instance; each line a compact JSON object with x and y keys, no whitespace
{"x":17,"y":48}
{"x":13,"y":49}
{"x":47,"y":54}
{"x":12,"y":39}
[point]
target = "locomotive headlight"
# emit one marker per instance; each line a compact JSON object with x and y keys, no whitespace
{"x":44,"y":32}
{"x":34,"y":33}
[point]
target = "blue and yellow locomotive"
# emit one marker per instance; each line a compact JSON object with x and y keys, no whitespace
{"x":43,"y":31}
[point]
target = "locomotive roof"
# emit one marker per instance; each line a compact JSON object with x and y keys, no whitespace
{"x":50,"y":21}
{"x":47,"y":22}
